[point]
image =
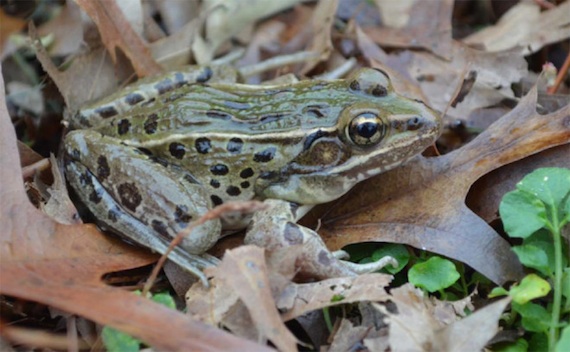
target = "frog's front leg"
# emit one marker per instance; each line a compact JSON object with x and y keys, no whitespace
{"x":275,"y":228}
{"x":132,"y":195}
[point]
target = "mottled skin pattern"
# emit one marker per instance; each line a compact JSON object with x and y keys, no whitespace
{"x":147,"y":164}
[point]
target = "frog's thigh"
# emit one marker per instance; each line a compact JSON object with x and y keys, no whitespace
{"x":145,"y":191}
{"x":274,"y":229}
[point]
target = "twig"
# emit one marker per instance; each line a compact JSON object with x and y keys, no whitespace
{"x":241,"y":207}
{"x":560,"y":77}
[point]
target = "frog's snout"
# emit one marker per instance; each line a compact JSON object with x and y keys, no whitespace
{"x":417,"y":123}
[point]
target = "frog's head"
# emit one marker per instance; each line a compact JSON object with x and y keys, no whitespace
{"x":378,"y":131}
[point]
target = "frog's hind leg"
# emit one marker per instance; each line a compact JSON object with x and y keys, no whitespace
{"x":141,"y":199}
{"x":274,"y":228}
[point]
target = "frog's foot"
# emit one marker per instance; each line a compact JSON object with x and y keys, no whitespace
{"x":367,"y":267}
{"x":274,"y":228}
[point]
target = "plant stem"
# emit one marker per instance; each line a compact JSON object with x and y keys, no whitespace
{"x":327,"y":317}
{"x":557,"y":239}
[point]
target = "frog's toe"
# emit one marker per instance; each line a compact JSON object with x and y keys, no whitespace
{"x":370,"y":267}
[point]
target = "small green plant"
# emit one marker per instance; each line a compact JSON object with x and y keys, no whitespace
{"x":434,"y":275}
{"x":538,"y":212}
{"x":117,"y":341}
{"x":427,"y":271}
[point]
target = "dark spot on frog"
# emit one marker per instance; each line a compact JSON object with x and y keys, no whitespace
{"x":113,"y":215}
{"x":214,"y":183}
{"x":324,"y":258}
{"x":205,"y":75}
{"x":177,"y":150}
{"x":379,"y":91}
{"x":217,"y":114}
{"x":172,"y":97}
{"x":143,"y":151}
{"x":277,"y":91}
{"x":133,"y":98}
{"x":265,"y":156}
{"x":354,"y":86}
{"x":268,"y":175}
{"x":151,"y":124}
{"x":164,"y":86}
{"x":148,"y":102}
{"x":216,"y":200}
{"x":95,"y":196}
{"x":179,"y":80}
{"x":123,"y":126}
{"x":219,"y":170}
{"x":85,"y":180}
{"x":161,"y":161}
{"x":317,"y":111}
{"x":203,"y":145}
{"x":103,"y":170}
{"x":244,"y":184}
{"x":160,"y":227}
{"x":75,"y":154}
{"x":181,"y":214}
{"x":190,"y":178}
{"x":310,"y":139}
{"x":106,"y":111}
{"x":245,"y":173}
{"x":130,"y":196}
{"x":234,"y":145}
{"x":233,"y":191}
{"x":293,"y":234}
{"x":269,"y":118}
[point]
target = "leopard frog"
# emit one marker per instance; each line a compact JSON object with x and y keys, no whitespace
{"x":152,"y":158}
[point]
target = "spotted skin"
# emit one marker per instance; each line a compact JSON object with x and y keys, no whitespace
{"x":162,"y":153}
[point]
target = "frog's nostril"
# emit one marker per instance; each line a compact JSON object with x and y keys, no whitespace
{"x":414,"y":123}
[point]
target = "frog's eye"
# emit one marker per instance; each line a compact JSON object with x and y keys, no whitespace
{"x":366,"y":129}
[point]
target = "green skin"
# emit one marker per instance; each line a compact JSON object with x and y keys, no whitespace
{"x":163,"y":161}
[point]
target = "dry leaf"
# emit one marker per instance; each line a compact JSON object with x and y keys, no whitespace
{"x":395,"y":13}
{"x":347,"y":336}
{"x":429,"y":27}
{"x":168,"y":51}
{"x":525,"y":29}
{"x":415,"y":327}
{"x":475,"y":331}
{"x":59,"y":207}
{"x":117,"y":32}
{"x":245,"y":271}
{"x":496,"y":72}
{"x":322,"y":22}
{"x":226,"y":19}
{"x":76,"y":84}
{"x":412,"y":328}
{"x":66,"y":29}
{"x":326,"y":293}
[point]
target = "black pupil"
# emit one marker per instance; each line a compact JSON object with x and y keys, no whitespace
{"x":367,"y":129}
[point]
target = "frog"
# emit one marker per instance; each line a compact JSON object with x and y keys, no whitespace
{"x":152,"y":158}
